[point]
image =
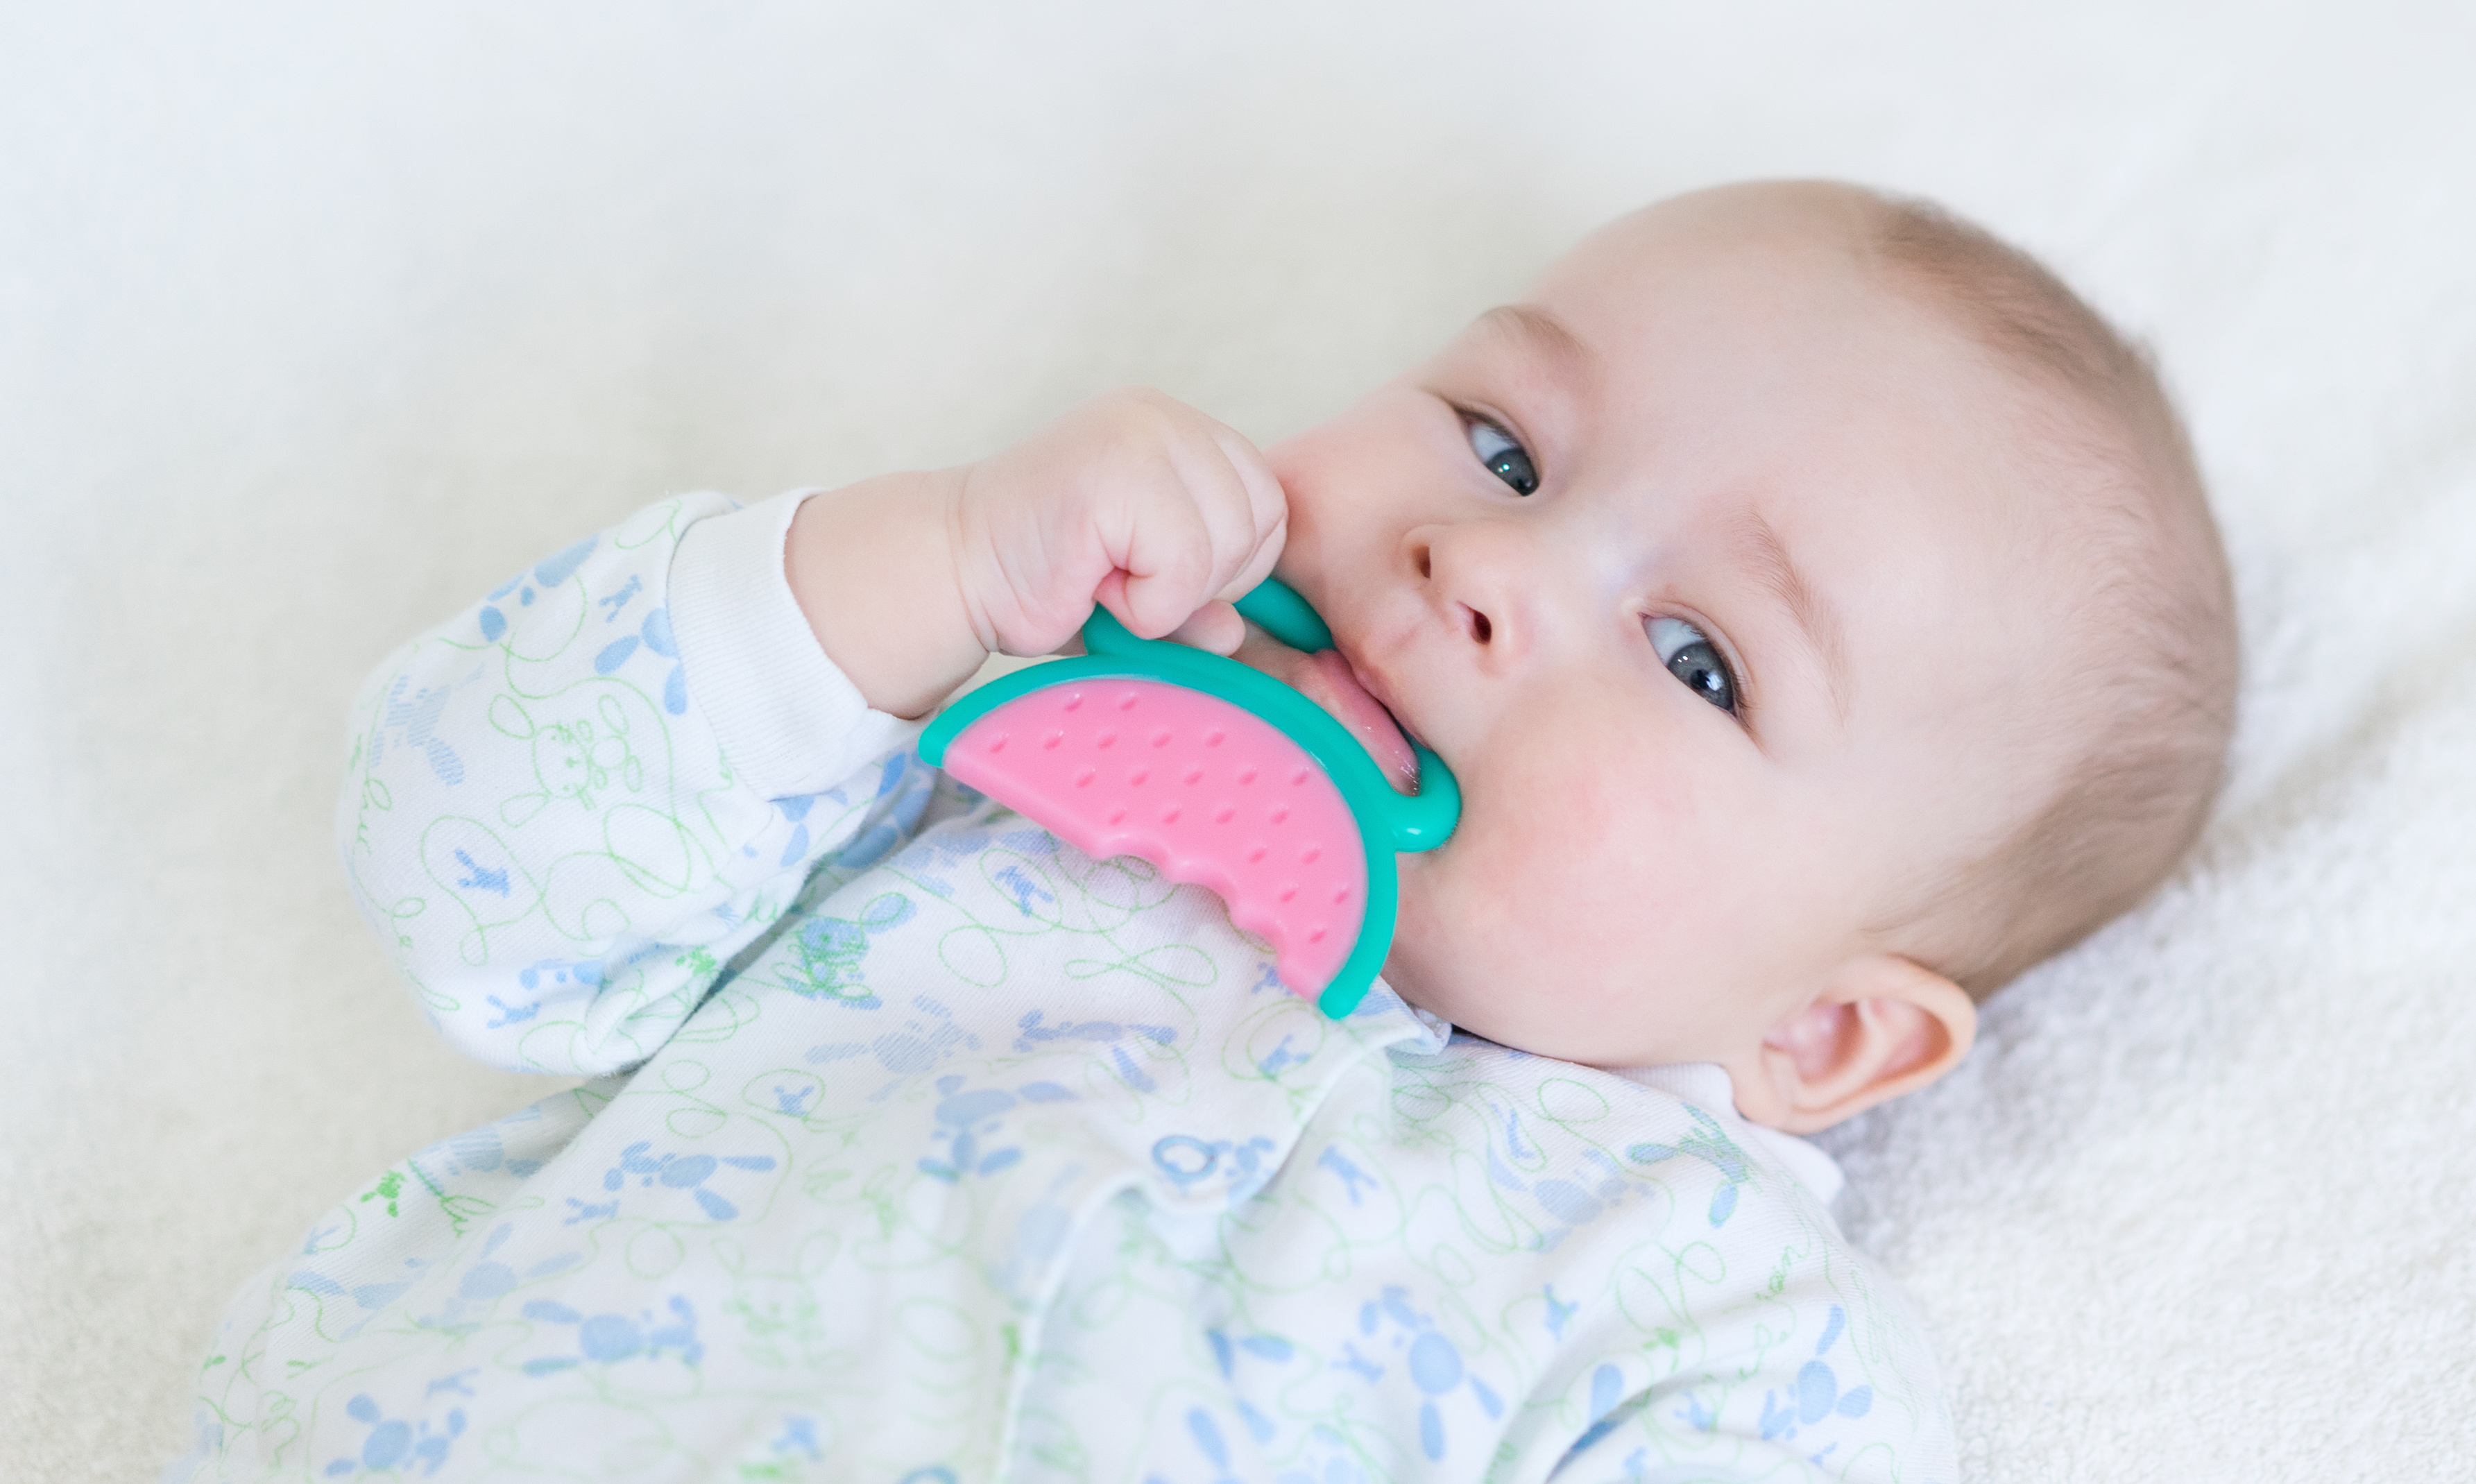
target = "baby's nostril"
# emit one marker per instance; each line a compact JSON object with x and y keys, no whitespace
{"x":1426,"y":568}
{"x":1480,"y":628}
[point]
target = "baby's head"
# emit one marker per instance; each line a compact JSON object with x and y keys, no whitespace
{"x":1821,"y":609}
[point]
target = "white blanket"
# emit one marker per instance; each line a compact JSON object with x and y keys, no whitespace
{"x":316,"y":323}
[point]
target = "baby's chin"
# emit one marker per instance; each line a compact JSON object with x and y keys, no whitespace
{"x":1327,"y":678}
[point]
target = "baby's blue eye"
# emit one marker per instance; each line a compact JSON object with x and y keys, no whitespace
{"x":1693,"y":658}
{"x":1504,"y":457}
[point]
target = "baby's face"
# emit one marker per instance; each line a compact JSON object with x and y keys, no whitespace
{"x":1688,"y":566}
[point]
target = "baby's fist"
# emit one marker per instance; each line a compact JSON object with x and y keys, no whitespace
{"x":1133,"y":501}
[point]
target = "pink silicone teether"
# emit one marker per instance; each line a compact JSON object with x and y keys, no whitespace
{"x":1221,"y":776}
{"x":1203,"y":788}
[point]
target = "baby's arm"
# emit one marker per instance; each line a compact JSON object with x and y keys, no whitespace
{"x":570,"y":807}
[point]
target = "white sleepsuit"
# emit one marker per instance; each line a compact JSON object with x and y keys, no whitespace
{"x":921,"y":1147}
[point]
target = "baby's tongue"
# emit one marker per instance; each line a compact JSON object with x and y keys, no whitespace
{"x":1325,"y":678}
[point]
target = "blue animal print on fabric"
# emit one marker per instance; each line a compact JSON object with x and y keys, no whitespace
{"x":683,"y":1172}
{"x":408,"y":719}
{"x":509,"y":1015}
{"x":965,"y":1122}
{"x":1019,"y":885}
{"x":1582,"y":1200}
{"x":1206,"y":1434}
{"x":904,"y":787}
{"x":1710,"y":1143}
{"x":614,"y":602}
{"x":829,"y":951}
{"x":796,"y":811}
{"x":1352,"y":1176}
{"x":1283,"y":1056}
{"x":549,"y":572}
{"x":1559,"y":1313}
{"x":546,"y":980}
{"x":610,"y":1339}
{"x":1818,"y":1394}
{"x":1431,"y":1359}
{"x":927,"y":1037}
{"x":798,"y":1434}
{"x":1035,"y":1031}
{"x":560,"y":565}
{"x":479,"y":877}
{"x":654,"y":635}
{"x":1267,"y":1355}
{"x":1188,"y":1161}
{"x":1225,"y":1350}
{"x":1607,"y":1388}
{"x":584,"y":973}
{"x":394,"y":1444}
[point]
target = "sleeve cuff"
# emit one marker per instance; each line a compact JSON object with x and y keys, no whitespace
{"x":788,"y":719}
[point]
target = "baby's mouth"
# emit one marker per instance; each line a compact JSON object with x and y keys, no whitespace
{"x":1327,"y":678}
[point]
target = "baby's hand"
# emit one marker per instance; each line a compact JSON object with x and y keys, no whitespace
{"x":1133,"y":501}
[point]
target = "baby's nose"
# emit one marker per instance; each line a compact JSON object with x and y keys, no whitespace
{"x":1479,"y":580}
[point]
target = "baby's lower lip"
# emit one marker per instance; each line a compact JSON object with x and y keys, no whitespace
{"x":1327,"y":679}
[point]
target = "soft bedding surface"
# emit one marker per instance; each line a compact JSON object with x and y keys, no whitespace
{"x":314,"y":323}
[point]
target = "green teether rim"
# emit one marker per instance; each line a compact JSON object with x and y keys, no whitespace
{"x":1417,"y":821}
{"x":1275,"y":608}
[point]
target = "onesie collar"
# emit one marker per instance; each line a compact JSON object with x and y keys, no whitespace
{"x":1706,"y":1086}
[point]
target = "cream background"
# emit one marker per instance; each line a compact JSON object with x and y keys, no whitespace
{"x":316,"y":321}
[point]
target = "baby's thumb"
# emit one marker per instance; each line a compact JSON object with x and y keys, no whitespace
{"x":1112,"y":594}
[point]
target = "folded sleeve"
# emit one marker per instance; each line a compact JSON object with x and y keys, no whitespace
{"x":568,"y":809}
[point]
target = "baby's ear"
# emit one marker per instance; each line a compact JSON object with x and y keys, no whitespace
{"x":1882,"y":1027}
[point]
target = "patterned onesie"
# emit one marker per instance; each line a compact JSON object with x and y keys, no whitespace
{"x":919,"y":1147}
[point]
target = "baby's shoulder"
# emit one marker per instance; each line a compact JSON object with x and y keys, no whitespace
{"x":1565,"y":1149}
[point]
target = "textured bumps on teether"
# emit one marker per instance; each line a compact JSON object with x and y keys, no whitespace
{"x":1200,"y":787}
{"x":1218,"y":775}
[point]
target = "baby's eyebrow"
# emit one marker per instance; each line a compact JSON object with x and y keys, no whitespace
{"x":1764,"y":554}
{"x":1543,"y":333}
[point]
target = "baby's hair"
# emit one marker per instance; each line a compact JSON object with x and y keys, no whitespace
{"x":2145,"y":701}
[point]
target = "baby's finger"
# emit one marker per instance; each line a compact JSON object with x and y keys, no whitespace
{"x":1213,"y":483}
{"x":1268,"y":514}
{"x":1268,"y":504}
{"x":1165,"y":568}
{"x":1259,"y":566}
{"x":1215,"y":627}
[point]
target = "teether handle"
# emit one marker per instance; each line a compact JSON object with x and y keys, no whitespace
{"x":1275,"y":608}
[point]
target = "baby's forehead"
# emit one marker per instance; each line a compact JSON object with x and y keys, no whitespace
{"x":1792,"y":236}
{"x":1715,"y":320}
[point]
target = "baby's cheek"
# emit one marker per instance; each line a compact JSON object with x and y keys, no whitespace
{"x":1620,"y":896}
{"x":1543,"y":902}
{"x":1588,"y":830}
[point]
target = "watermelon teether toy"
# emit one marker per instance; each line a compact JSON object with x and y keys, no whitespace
{"x":1218,"y":775}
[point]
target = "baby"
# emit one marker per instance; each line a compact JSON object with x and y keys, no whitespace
{"x":1820,"y":608}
